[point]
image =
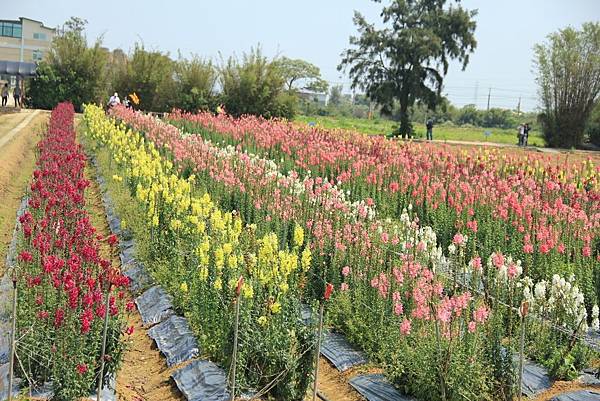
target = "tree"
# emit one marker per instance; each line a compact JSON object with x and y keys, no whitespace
{"x":568,"y":77}
{"x":150,"y":74}
{"x":195,"y":80}
{"x":335,"y":95}
{"x":72,"y":70}
{"x":255,"y":85}
{"x":296,"y":70}
{"x":407,"y":60}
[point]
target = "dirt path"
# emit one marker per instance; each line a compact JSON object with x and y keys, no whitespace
{"x":334,"y":384}
{"x":17,"y":161}
{"x":562,"y":387}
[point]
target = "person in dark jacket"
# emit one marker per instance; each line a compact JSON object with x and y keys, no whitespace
{"x":429,"y":125}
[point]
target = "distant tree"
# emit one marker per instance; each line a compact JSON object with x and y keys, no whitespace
{"x":71,"y":71}
{"x":593,"y":126}
{"x":335,"y":95}
{"x":255,"y":85}
{"x":568,"y":76}
{"x":195,"y":81}
{"x":151,"y":75}
{"x":468,"y":114}
{"x":296,"y":71}
{"x":408,"y":59}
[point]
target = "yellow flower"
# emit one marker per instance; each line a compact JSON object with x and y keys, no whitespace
{"x":218,"y":284}
{"x":298,"y":235}
{"x":184,"y":287}
{"x":262,"y":321}
{"x":203,"y":273}
{"x":175,"y":224}
{"x":219,"y":258}
{"x":306,"y":259}
{"x":275,"y":307}
{"x":284,"y":287}
{"x":155,"y":220}
{"x":247,"y":290}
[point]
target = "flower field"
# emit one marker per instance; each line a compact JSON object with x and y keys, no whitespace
{"x":431,"y":254}
{"x":66,"y":288}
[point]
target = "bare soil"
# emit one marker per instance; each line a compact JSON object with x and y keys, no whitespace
{"x":561,"y":387}
{"x":17,"y":161}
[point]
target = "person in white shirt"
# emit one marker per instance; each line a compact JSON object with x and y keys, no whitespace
{"x":114,"y":100}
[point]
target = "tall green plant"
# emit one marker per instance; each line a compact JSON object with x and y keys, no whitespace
{"x":568,"y":68}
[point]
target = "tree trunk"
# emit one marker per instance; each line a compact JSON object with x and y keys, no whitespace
{"x":405,"y":125}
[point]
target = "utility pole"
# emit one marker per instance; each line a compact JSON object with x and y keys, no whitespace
{"x":489,"y":94}
{"x":519,"y":106}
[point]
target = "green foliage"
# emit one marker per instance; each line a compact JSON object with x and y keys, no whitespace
{"x":255,"y":85}
{"x":72,"y":71}
{"x":406,"y":61}
{"x":296,"y":70}
{"x":150,"y":75}
{"x":335,"y":95}
{"x":593,"y":126}
{"x":196,"y":80}
{"x":569,"y":82}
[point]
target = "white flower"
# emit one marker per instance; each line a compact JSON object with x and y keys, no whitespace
{"x":595,"y":312}
{"x":452,"y":249}
{"x":540,"y":290}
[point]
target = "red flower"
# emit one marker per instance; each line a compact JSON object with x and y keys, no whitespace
{"x":59,"y":317}
{"x":112,"y":239}
{"x":25,"y":256}
{"x":328,"y":291}
{"x":82,"y":368}
{"x":129,"y":330}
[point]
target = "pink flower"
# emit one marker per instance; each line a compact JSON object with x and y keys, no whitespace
{"x":405,"y":327}
{"x":476,"y":263}
{"x":398,"y":309}
{"x":528,"y":248}
{"x":498,"y":259}
{"x":481,"y":314}
{"x":344,"y":287}
{"x":345,"y":271}
{"x":472,"y":326}
{"x":472,"y":225}
{"x":458,"y":239}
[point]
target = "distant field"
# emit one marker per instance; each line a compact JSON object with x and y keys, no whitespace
{"x":441,"y":132}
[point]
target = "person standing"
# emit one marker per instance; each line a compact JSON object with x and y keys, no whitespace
{"x":17,"y":95}
{"x":429,"y":125}
{"x":526,"y":130}
{"x":521,"y":134}
{"x":5,"y":95}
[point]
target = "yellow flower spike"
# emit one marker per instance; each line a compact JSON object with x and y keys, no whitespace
{"x":184,"y":287}
{"x":298,"y":235}
{"x":275,"y":307}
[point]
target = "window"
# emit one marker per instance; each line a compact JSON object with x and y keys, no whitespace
{"x":40,"y":36}
{"x":11,"y":29}
{"x":37,"y":55}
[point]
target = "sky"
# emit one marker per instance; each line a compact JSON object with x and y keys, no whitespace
{"x":318,"y":31}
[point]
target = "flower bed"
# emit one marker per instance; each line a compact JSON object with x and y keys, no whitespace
{"x":61,"y":277}
{"x":426,"y":326}
{"x":541,"y":211}
{"x":203,"y":256}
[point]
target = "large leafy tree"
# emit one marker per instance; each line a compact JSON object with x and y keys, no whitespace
{"x":296,"y":71}
{"x":72,"y":70}
{"x":406,"y":60}
{"x":255,"y":85}
{"x":569,"y":83}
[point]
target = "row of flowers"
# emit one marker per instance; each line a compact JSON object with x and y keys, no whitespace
{"x":537,"y":208}
{"x":391,"y":301}
{"x":62,"y":277}
{"x":206,"y":256}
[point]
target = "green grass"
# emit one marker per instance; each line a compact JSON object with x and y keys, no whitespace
{"x":440,"y":132}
